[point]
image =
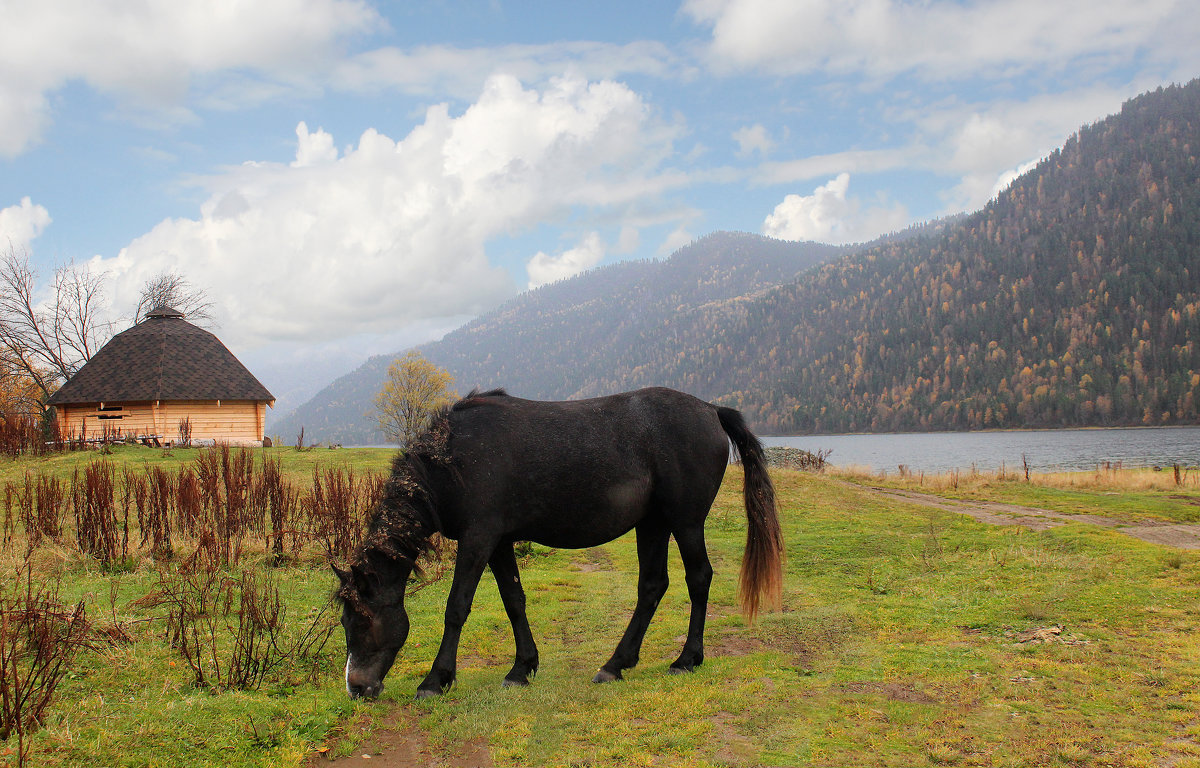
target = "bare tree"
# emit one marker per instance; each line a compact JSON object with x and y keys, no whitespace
{"x":170,"y":289}
{"x":48,"y":341}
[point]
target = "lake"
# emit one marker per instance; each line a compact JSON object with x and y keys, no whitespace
{"x":1045,"y":450}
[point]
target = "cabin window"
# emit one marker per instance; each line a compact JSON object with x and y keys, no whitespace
{"x":110,"y":412}
{"x":110,"y":408}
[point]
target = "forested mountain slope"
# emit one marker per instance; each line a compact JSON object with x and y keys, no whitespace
{"x":1069,"y":300}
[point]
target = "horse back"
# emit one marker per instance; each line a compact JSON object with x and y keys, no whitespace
{"x":581,"y":472}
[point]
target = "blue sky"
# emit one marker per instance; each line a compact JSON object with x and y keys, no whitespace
{"x":348,"y":178}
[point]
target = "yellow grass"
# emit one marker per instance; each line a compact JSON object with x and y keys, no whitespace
{"x":1110,"y":478}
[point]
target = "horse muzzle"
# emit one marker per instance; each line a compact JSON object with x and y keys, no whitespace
{"x":361,"y":685}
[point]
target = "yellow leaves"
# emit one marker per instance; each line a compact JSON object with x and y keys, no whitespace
{"x":414,"y":390}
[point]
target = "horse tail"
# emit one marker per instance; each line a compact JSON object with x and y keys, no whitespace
{"x":762,"y":563}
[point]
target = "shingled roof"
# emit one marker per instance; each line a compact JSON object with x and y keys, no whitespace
{"x":164,"y":357}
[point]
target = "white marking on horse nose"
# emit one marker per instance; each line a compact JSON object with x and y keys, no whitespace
{"x":348,"y":691}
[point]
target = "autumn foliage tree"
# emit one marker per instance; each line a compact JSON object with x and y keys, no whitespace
{"x":415,"y":388}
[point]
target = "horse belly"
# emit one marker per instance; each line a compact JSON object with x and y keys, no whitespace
{"x":590,"y":519}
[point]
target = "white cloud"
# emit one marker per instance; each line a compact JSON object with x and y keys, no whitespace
{"x":395,"y":232}
{"x":459,"y":71}
{"x":678,"y":238}
{"x":856,"y":161}
{"x":939,"y":39}
{"x":313,"y":148}
{"x":985,"y":145}
{"x":149,"y":54}
{"x":1009,"y":176}
{"x":543,"y":268}
{"x":828,"y":215}
{"x":628,"y":240}
{"x":751,"y":139}
{"x":20,"y":224}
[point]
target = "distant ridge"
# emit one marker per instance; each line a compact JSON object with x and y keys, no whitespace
{"x":535,"y":345}
{"x":1072,"y":299}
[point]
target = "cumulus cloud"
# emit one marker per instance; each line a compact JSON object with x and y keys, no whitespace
{"x":149,"y":54}
{"x":751,"y":139}
{"x":941,"y":39}
{"x":21,"y":223}
{"x":543,"y":268}
{"x":988,"y":145}
{"x":828,"y":215}
{"x":391,"y":232}
{"x":313,"y":148}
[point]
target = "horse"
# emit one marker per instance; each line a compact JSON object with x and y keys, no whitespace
{"x":493,"y":469}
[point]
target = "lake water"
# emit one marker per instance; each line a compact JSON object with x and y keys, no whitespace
{"x":1045,"y":450}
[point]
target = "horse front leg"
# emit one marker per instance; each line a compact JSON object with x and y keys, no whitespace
{"x":468,"y":567}
{"x":508,"y":580}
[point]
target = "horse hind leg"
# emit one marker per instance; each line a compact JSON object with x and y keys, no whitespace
{"x":652,"y":539}
{"x":508,"y":579}
{"x":698,"y":574}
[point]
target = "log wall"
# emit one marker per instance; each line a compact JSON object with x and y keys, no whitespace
{"x":234,"y":422}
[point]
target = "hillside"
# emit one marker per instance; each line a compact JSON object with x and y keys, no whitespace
{"x":536,"y":344}
{"x":1069,"y":300}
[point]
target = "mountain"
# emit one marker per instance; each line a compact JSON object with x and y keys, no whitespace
{"x":535,"y":344}
{"x":1072,"y":299}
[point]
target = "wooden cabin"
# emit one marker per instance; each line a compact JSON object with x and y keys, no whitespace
{"x":150,"y":380}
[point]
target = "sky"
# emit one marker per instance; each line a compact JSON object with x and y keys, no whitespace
{"x":346,"y":178}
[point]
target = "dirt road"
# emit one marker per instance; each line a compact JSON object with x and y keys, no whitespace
{"x":1181,"y":535}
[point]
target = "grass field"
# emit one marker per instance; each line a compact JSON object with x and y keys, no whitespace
{"x":908,"y":637}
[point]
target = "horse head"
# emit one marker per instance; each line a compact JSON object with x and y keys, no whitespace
{"x":376,"y":626}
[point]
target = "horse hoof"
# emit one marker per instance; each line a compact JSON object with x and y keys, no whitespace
{"x":604,"y":676}
{"x":679,"y":670}
{"x":514,"y":683}
{"x":425,"y":693}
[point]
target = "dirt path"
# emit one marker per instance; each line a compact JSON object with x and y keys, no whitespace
{"x":400,"y":743}
{"x":1183,"y":536}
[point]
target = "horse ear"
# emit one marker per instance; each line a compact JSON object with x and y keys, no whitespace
{"x":344,"y":575}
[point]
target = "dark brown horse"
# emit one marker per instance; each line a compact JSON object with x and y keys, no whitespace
{"x":493,"y":470}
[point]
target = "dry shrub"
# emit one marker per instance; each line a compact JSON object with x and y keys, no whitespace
{"x":22,"y":435}
{"x":101,"y":533}
{"x":232,"y":631}
{"x":338,"y":507}
{"x":39,"y":638}
{"x":278,"y":502}
{"x":39,"y":505}
{"x":189,"y":502}
{"x":156,"y":526}
{"x":224,"y":478}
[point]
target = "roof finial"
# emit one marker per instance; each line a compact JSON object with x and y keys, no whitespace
{"x":163,"y":310}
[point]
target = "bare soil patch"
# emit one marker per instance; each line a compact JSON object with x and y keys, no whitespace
{"x":592,"y":560}
{"x":400,"y":742}
{"x":893,"y":691}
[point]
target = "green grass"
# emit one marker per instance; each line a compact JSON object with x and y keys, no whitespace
{"x":297,"y":465}
{"x":899,"y":644}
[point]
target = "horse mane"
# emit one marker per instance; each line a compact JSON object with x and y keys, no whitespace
{"x":401,"y":528}
{"x":477,"y":398}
